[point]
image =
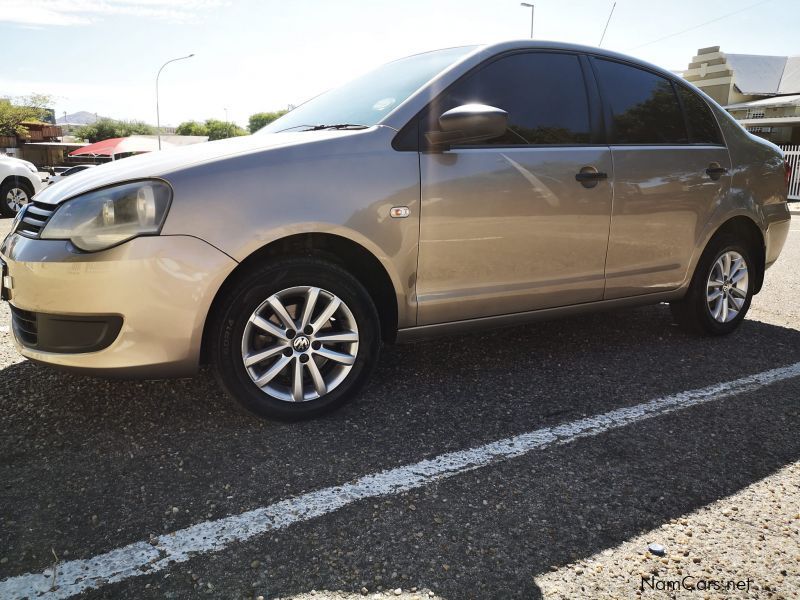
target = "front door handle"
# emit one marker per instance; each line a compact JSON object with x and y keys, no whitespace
{"x":715,"y":171}
{"x":590,"y":177}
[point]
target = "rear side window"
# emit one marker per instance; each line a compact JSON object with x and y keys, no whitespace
{"x":703,"y":127}
{"x":543,"y":93}
{"x":644,"y":107}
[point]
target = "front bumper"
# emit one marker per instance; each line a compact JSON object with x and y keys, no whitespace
{"x":158,"y":289}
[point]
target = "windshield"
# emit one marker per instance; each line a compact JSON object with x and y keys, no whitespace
{"x":368,"y":99}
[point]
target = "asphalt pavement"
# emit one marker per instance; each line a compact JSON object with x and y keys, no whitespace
{"x":88,"y":466}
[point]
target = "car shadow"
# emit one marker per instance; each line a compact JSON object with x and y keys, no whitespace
{"x":123,"y":451}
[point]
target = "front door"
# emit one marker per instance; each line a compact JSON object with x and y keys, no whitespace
{"x":505,"y":226}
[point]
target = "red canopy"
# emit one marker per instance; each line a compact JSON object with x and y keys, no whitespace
{"x":119,"y":145}
{"x":104,"y":148}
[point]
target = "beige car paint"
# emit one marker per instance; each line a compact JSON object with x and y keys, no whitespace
{"x":163,"y":287}
{"x":490,"y":215}
{"x":662,"y":202}
{"x":468,"y":254}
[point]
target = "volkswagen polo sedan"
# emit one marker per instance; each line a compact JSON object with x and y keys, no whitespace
{"x":478,"y":186}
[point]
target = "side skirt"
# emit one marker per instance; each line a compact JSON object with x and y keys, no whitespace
{"x":422,"y":332}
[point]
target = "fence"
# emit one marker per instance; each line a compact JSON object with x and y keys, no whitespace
{"x":793,"y":158}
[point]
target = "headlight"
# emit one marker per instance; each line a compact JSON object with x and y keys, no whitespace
{"x":31,"y":167}
{"x":104,"y":218}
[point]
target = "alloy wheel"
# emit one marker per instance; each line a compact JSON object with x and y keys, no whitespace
{"x":726,"y":289}
{"x":16,"y":198}
{"x":300,"y":344}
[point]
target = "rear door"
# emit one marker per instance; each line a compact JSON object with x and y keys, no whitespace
{"x":671,"y":169}
{"x":505,"y":226}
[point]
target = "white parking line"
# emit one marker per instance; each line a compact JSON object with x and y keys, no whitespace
{"x":141,"y":558}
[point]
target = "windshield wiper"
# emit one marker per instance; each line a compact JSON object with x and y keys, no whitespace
{"x":337,"y":126}
{"x":321,"y":127}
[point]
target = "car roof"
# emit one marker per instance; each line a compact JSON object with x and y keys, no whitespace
{"x":533,"y":44}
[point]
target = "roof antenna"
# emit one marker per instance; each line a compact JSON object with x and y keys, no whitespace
{"x":607,"y":22}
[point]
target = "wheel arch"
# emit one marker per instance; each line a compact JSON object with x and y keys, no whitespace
{"x":19,"y":180}
{"x":349,"y":255}
{"x":742,"y":227}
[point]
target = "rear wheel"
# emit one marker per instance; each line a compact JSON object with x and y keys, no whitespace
{"x":295,"y":339}
{"x":721,"y":290}
{"x":14,"y":194}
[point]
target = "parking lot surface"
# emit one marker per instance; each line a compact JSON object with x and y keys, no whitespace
{"x":89,"y":466}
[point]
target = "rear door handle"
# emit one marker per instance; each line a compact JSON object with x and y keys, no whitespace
{"x":715,"y":171}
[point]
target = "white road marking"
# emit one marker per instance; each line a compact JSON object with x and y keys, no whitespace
{"x":142,"y":558}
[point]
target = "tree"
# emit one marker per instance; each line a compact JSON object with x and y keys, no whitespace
{"x":104,"y":129}
{"x":262,"y":119}
{"x":191,"y":128}
{"x":219,"y":130}
{"x":15,"y":111}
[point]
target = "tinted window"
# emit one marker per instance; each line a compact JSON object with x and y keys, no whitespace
{"x":543,"y":94}
{"x":702,"y":124}
{"x":644,"y":107}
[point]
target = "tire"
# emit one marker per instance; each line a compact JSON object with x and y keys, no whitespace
{"x":240,"y":329}
{"x":13,"y":185}
{"x":695,"y":312}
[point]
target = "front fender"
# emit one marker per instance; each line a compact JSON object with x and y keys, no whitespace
{"x":344,"y":186}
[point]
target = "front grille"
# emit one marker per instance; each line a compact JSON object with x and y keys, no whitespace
{"x":25,"y":326}
{"x":36,"y":215}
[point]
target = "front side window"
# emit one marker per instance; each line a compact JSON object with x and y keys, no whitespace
{"x":644,"y":108}
{"x":543,"y":93}
{"x":703,"y":127}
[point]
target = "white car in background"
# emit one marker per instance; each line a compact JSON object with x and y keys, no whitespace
{"x":19,"y":181}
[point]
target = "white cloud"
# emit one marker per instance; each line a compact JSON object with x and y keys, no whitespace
{"x":31,"y":13}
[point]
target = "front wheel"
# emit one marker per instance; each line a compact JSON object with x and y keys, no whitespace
{"x":13,"y":196}
{"x":721,"y":289}
{"x":295,"y":339}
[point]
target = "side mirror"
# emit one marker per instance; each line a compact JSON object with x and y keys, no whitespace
{"x":470,"y":123}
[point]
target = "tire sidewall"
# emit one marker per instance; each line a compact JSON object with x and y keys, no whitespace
{"x":716,"y":250}
{"x":249,"y":293}
{"x":5,"y":209}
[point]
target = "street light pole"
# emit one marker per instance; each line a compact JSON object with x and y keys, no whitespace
{"x":158,"y":114}
{"x":525,"y":4}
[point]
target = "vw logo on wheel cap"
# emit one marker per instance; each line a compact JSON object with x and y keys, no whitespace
{"x":301,"y":343}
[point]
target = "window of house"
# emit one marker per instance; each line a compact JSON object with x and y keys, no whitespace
{"x":543,"y":93}
{"x":644,"y":107}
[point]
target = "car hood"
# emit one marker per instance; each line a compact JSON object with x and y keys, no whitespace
{"x":10,"y":160}
{"x":164,"y":162}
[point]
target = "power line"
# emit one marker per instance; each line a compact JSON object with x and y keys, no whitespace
{"x":725,"y":16}
{"x":607,"y":22}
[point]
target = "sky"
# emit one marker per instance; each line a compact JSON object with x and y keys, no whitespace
{"x":102,"y":56}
